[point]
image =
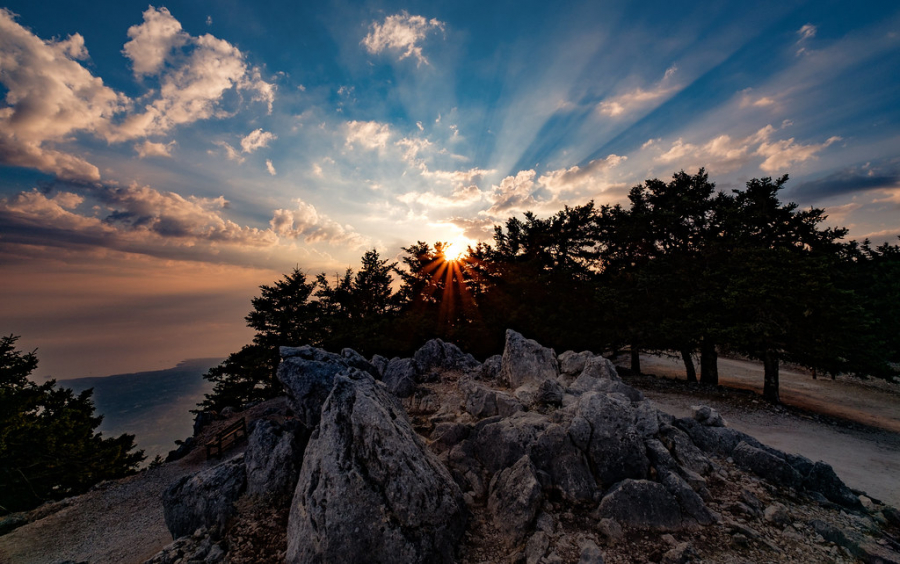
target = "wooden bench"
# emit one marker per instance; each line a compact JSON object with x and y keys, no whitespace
{"x":227,"y":437}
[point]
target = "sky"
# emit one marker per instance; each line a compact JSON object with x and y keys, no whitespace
{"x":158,"y":163}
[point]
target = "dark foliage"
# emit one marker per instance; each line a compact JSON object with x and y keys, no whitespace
{"x":49,"y":447}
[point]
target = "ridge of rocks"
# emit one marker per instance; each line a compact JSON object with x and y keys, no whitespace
{"x":528,"y":457}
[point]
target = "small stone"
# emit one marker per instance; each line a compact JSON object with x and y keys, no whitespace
{"x":536,"y":547}
{"x":611,"y":530}
{"x":777,"y":514}
{"x":739,"y":540}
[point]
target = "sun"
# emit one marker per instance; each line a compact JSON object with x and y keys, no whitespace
{"x":458,"y":247}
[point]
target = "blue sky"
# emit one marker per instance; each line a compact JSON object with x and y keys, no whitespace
{"x":159,"y":163}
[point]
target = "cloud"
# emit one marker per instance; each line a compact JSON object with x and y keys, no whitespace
{"x":864,"y":178}
{"x":230,"y":152}
{"x":514,"y":193}
{"x":477,"y":229}
{"x":458,"y":177}
{"x":51,"y":97}
{"x":724,"y":154}
{"x":781,"y":154}
{"x":575,"y":177}
{"x":808,"y":31}
{"x":194,"y":74}
{"x":257,"y":139}
{"x":368,"y":134}
{"x":306,"y":223}
{"x":270,"y":167}
{"x":638,"y":98}
{"x":460,"y":197}
{"x":748,"y":100}
{"x":151,"y":149}
{"x":402,"y":33}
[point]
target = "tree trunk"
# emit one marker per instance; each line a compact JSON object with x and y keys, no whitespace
{"x":689,"y":365}
{"x":635,"y":360}
{"x":709,"y":368}
{"x":770,"y":387}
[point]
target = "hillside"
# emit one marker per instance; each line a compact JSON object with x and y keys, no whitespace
{"x":154,"y":406}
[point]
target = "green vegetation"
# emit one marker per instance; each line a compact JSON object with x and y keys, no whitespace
{"x":683,"y":267}
{"x":48,"y":445}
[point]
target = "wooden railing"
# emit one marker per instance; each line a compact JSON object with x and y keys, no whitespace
{"x":227,"y":437}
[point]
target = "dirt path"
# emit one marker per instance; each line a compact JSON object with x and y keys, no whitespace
{"x":865,"y":456}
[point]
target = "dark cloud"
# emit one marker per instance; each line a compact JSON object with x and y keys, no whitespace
{"x":850,"y":180}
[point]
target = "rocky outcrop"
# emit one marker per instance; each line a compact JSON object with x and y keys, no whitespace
{"x":436,"y":356}
{"x":515,"y":499}
{"x":526,"y":363}
{"x":204,"y":499}
{"x":274,"y":456}
{"x":369,"y":490}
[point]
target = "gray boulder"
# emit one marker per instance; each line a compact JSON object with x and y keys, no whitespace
{"x":481,"y":401}
{"x":707,"y":416}
{"x":273,"y":457}
{"x":436,"y":355}
{"x":490,"y":370}
{"x":572,"y":363}
{"x":400,"y":377}
{"x":643,"y":505}
{"x":307,"y":374}
{"x":380,"y":364}
{"x":500,"y":443}
{"x":204,"y":499}
{"x":822,"y":479}
{"x":616,"y":448}
{"x":766,"y":465}
{"x":369,"y":490}
{"x":358,"y":361}
{"x":525,"y":362}
{"x":515,"y":500}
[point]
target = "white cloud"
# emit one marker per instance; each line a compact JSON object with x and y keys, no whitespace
{"x":230,"y":152}
{"x":461,"y":196}
{"x":401,"y":32}
{"x":257,"y":139}
{"x":514,"y":193}
{"x":270,"y":167}
{"x":723,"y":154}
{"x":306,"y":223}
{"x":574,"y":178}
{"x":638,"y":98}
{"x":368,"y":134}
{"x":151,"y":149}
{"x":806,"y":32}
{"x":50,"y":96}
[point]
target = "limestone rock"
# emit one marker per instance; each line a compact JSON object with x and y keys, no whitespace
{"x":515,"y":500}
{"x":436,"y":355}
{"x":204,"y":499}
{"x":707,"y":416}
{"x":490,"y":369}
{"x":400,"y":377}
{"x":273,"y":457}
{"x":307,"y":374}
{"x":380,"y":364}
{"x":766,"y":465}
{"x":369,"y":490}
{"x":642,"y":504}
{"x":822,"y":479}
{"x":525,"y":362}
{"x":616,"y":449}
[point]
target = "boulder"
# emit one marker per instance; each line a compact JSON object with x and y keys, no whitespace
{"x":436,"y":355}
{"x":616,"y":448}
{"x":515,"y":500}
{"x":400,"y":377}
{"x":307,"y":374}
{"x":380,"y":364}
{"x":572,"y":363}
{"x":822,"y":479}
{"x":369,"y":490}
{"x":565,"y":464}
{"x":500,"y":443}
{"x":643,"y":505}
{"x":766,"y":465}
{"x":205,"y":498}
{"x":273,"y":457}
{"x":358,"y":361}
{"x":481,"y":401}
{"x":525,"y":362}
{"x":490,"y":370}
{"x":707,"y":416}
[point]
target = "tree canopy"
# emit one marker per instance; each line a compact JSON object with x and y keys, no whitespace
{"x":49,"y":446}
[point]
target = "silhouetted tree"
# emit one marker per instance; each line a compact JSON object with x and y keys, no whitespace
{"x":49,"y":447}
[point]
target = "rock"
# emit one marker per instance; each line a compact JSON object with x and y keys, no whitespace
{"x":183,"y":449}
{"x":611,"y":530}
{"x":691,"y":504}
{"x":515,"y":500}
{"x":643,"y":505}
{"x":273,"y":458}
{"x":536,"y":547}
{"x":892,"y":515}
{"x":500,"y":443}
{"x":829,"y":532}
{"x":358,"y":361}
{"x":777,"y":514}
{"x":707,"y":416}
{"x":550,"y":392}
{"x":205,"y":498}
{"x":525,"y":362}
{"x":380,"y":364}
{"x":202,"y":419}
{"x":684,"y":450}
{"x":369,"y":490}
{"x":400,"y":377}
{"x":616,"y":450}
{"x":572,"y":363}
{"x":765,"y":465}
{"x":490,"y":370}
{"x":436,"y":355}
{"x":590,"y":553}
{"x":715,"y":440}
{"x":565,"y":464}
{"x":646,"y":419}
{"x":822,"y":479}
{"x":682,"y":553}
{"x":227,"y":411}
{"x":448,"y":434}
{"x":308,"y":374}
